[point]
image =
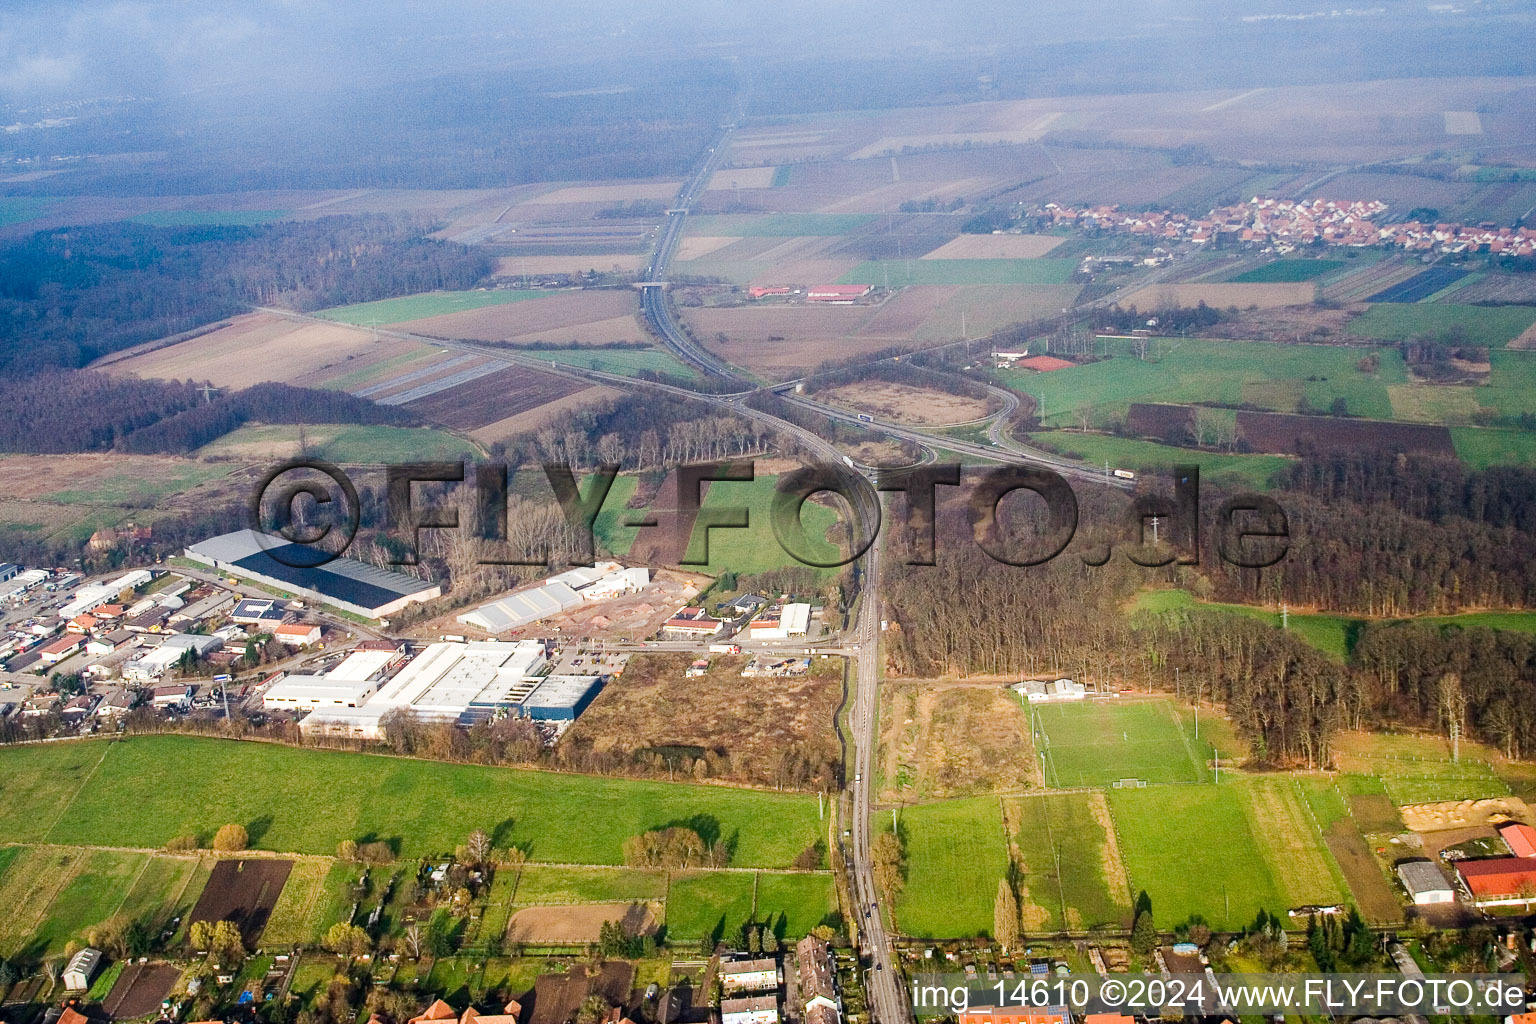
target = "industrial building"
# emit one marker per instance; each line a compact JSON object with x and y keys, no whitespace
{"x":343,"y":583}
{"x":781,"y":623}
{"x":692,"y":622}
{"x":449,"y":681}
{"x":561,"y":592}
{"x":155,"y":663}
{"x":308,"y":693}
{"x":96,"y":594}
{"x":560,"y":698}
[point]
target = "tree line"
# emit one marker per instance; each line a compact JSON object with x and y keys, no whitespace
{"x":70,"y":295}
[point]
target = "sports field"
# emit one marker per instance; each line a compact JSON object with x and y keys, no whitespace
{"x":1070,"y":872}
{"x":956,"y":854}
{"x":419,"y":307}
{"x":900,"y":273}
{"x":285,"y":798}
{"x":1259,"y":374}
{"x":1098,"y":742}
{"x":1490,"y":326}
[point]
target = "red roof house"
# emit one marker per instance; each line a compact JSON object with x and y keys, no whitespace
{"x":1499,"y":877}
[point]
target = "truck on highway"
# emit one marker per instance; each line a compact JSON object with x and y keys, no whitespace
{"x":865,"y":417}
{"x":1125,"y":474}
{"x":724,"y":648}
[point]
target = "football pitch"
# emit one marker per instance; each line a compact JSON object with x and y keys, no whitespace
{"x":1100,"y":742}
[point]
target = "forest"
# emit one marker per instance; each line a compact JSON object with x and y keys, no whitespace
{"x":1357,"y":551}
{"x":70,"y":295}
{"x":64,"y":411}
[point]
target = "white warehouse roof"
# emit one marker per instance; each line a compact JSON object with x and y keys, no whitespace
{"x":522,"y":608}
{"x":360,"y":665}
{"x":306,"y":693}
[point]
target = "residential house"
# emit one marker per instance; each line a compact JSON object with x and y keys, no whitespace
{"x":757,"y":975}
{"x":750,"y":1010}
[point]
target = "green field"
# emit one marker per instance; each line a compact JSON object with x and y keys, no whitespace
{"x":585,"y":885}
{"x":343,"y":443}
{"x":209,"y":218}
{"x":20,"y":209}
{"x":778,"y":225}
{"x":781,"y":176}
{"x":317,"y":895}
{"x":1194,"y":851}
{"x":1490,"y":326}
{"x":708,"y":903}
{"x":418,"y":307}
{"x":286,"y":799}
{"x":1069,"y":875}
{"x":1414,"y":768}
{"x":1511,"y":388}
{"x":1481,"y":447}
{"x":1288,"y":270}
{"x":55,"y":894}
{"x":955,"y":856}
{"x":899,"y":273}
{"x":615,"y":360}
{"x":1334,"y":635}
{"x":1248,"y":472}
{"x":797,"y":902}
{"x":141,"y":489}
{"x":1259,"y":374}
{"x":1097,"y":742}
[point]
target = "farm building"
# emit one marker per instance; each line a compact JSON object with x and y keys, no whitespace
{"x":750,"y":1010}
{"x":344,"y":583}
{"x":757,"y":975}
{"x":82,"y":967}
{"x":297,"y":634}
{"x":306,"y":693}
{"x":1425,"y":882}
{"x":1499,"y":881}
{"x":560,"y":698}
{"x":1520,"y":838}
{"x":449,"y":681}
{"x":837,"y":294}
{"x":765,"y":291}
{"x":559,"y":593}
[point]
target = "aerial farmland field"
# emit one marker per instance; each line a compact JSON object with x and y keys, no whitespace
{"x":1262,"y":374}
{"x":956,"y":855}
{"x":284,"y":809}
{"x":1489,"y":326}
{"x":1070,"y":872}
{"x":1222,"y":873}
{"x":900,"y":273}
